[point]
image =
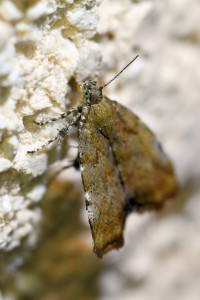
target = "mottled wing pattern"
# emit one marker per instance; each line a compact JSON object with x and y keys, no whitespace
{"x":104,"y":193}
{"x":146,"y":171}
{"x":123,"y":168}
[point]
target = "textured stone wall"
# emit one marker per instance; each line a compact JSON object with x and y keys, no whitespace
{"x":43,"y":44}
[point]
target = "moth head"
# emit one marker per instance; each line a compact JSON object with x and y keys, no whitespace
{"x":91,"y":92}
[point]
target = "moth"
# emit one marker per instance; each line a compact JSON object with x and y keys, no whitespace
{"x":123,"y":166}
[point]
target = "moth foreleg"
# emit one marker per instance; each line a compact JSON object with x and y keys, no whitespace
{"x":61,"y":133}
{"x":62,"y":116}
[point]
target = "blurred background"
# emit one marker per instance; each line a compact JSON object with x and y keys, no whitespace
{"x":160,"y":258}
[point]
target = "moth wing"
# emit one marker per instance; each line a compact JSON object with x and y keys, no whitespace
{"x":146,"y":171}
{"x":123,"y":168}
{"x":105,"y":196}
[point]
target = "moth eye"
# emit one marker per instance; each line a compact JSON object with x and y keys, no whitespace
{"x":86,"y":94}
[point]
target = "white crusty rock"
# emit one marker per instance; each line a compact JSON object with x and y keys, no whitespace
{"x":40,"y":52}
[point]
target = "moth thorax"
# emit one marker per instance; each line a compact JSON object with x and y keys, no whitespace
{"x":94,"y":91}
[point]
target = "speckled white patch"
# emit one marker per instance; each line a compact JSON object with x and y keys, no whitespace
{"x":87,"y":196}
{"x":82,"y":169}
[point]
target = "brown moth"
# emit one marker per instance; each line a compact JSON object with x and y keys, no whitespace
{"x":123,"y":166}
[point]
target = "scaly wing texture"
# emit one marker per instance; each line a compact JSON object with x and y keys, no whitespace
{"x":123,"y":168}
{"x":105,"y":196}
{"x":146,"y":170}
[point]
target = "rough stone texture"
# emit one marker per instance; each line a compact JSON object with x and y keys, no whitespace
{"x":42,"y":46}
{"x":160,"y":259}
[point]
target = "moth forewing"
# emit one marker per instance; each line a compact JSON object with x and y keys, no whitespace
{"x":105,"y":196}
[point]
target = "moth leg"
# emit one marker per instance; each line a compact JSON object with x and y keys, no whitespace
{"x":84,"y":114}
{"x":61,"y":133}
{"x":73,"y":110}
{"x":60,"y":171}
{"x":74,"y":163}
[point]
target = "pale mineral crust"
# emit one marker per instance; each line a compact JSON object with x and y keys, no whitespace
{"x":43,"y":45}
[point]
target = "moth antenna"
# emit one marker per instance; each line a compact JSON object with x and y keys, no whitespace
{"x":120,"y":72}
